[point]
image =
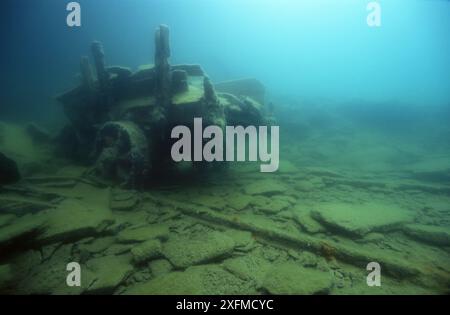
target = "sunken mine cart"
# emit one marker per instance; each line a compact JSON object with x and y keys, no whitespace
{"x":120,"y":121}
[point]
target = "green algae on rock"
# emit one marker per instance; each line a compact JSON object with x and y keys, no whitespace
{"x":147,"y":250}
{"x":141,"y":234}
{"x":183,"y":252}
{"x":265,"y":187}
{"x":306,"y":221}
{"x":274,"y":205}
{"x":360,"y":219}
{"x":239,"y":201}
{"x":118,"y":117}
{"x":160,"y":267}
{"x":436,"y":235}
{"x":248,"y":268}
{"x":108,"y":272}
{"x":196,"y":280}
{"x":291,"y":278}
{"x":73,"y":220}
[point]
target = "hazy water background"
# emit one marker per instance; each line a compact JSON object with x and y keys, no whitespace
{"x":305,"y":52}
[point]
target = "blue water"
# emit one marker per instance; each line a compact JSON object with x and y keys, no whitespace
{"x":311,"y":50}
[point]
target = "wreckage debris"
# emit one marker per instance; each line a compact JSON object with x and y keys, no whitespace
{"x":130,"y":114}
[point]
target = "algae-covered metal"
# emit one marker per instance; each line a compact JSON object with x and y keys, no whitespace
{"x":120,"y":120}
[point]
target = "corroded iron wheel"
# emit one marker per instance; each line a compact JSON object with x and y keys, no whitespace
{"x":122,"y":153}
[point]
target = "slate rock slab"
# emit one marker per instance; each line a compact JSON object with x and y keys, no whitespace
{"x":160,"y":267}
{"x":109,"y":272}
{"x":291,"y":278}
{"x":73,"y":220}
{"x":147,"y":250}
{"x":239,"y":201}
{"x":196,"y":280}
{"x":436,"y":235}
{"x":248,"y":268}
{"x":25,"y":227}
{"x":360,"y":219}
{"x":265,"y":187}
{"x":141,"y":234}
{"x":183,"y":252}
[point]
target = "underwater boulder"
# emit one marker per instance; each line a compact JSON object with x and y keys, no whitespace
{"x":9,"y":172}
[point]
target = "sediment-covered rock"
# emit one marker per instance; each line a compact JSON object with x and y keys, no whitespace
{"x":37,"y":276}
{"x":141,"y":234}
{"x":183,"y":252}
{"x":274,"y":205}
{"x":118,"y":249}
{"x":436,"y":235}
{"x":24,"y":228}
{"x":160,"y":267}
{"x":197,"y":280}
{"x":6,"y":219}
{"x":305,"y":220}
{"x":213,"y":202}
{"x":291,"y":278}
{"x":97,"y":245}
{"x":123,"y":200}
{"x":8,"y":170}
{"x":248,"y":268}
{"x":305,"y":185}
{"x":243,"y":240}
{"x":73,"y":220}
{"x":109,"y":272}
{"x":146,"y":251}
{"x":239,"y":201}
{"x":360,"y":219}
{"x":264,"y":187}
